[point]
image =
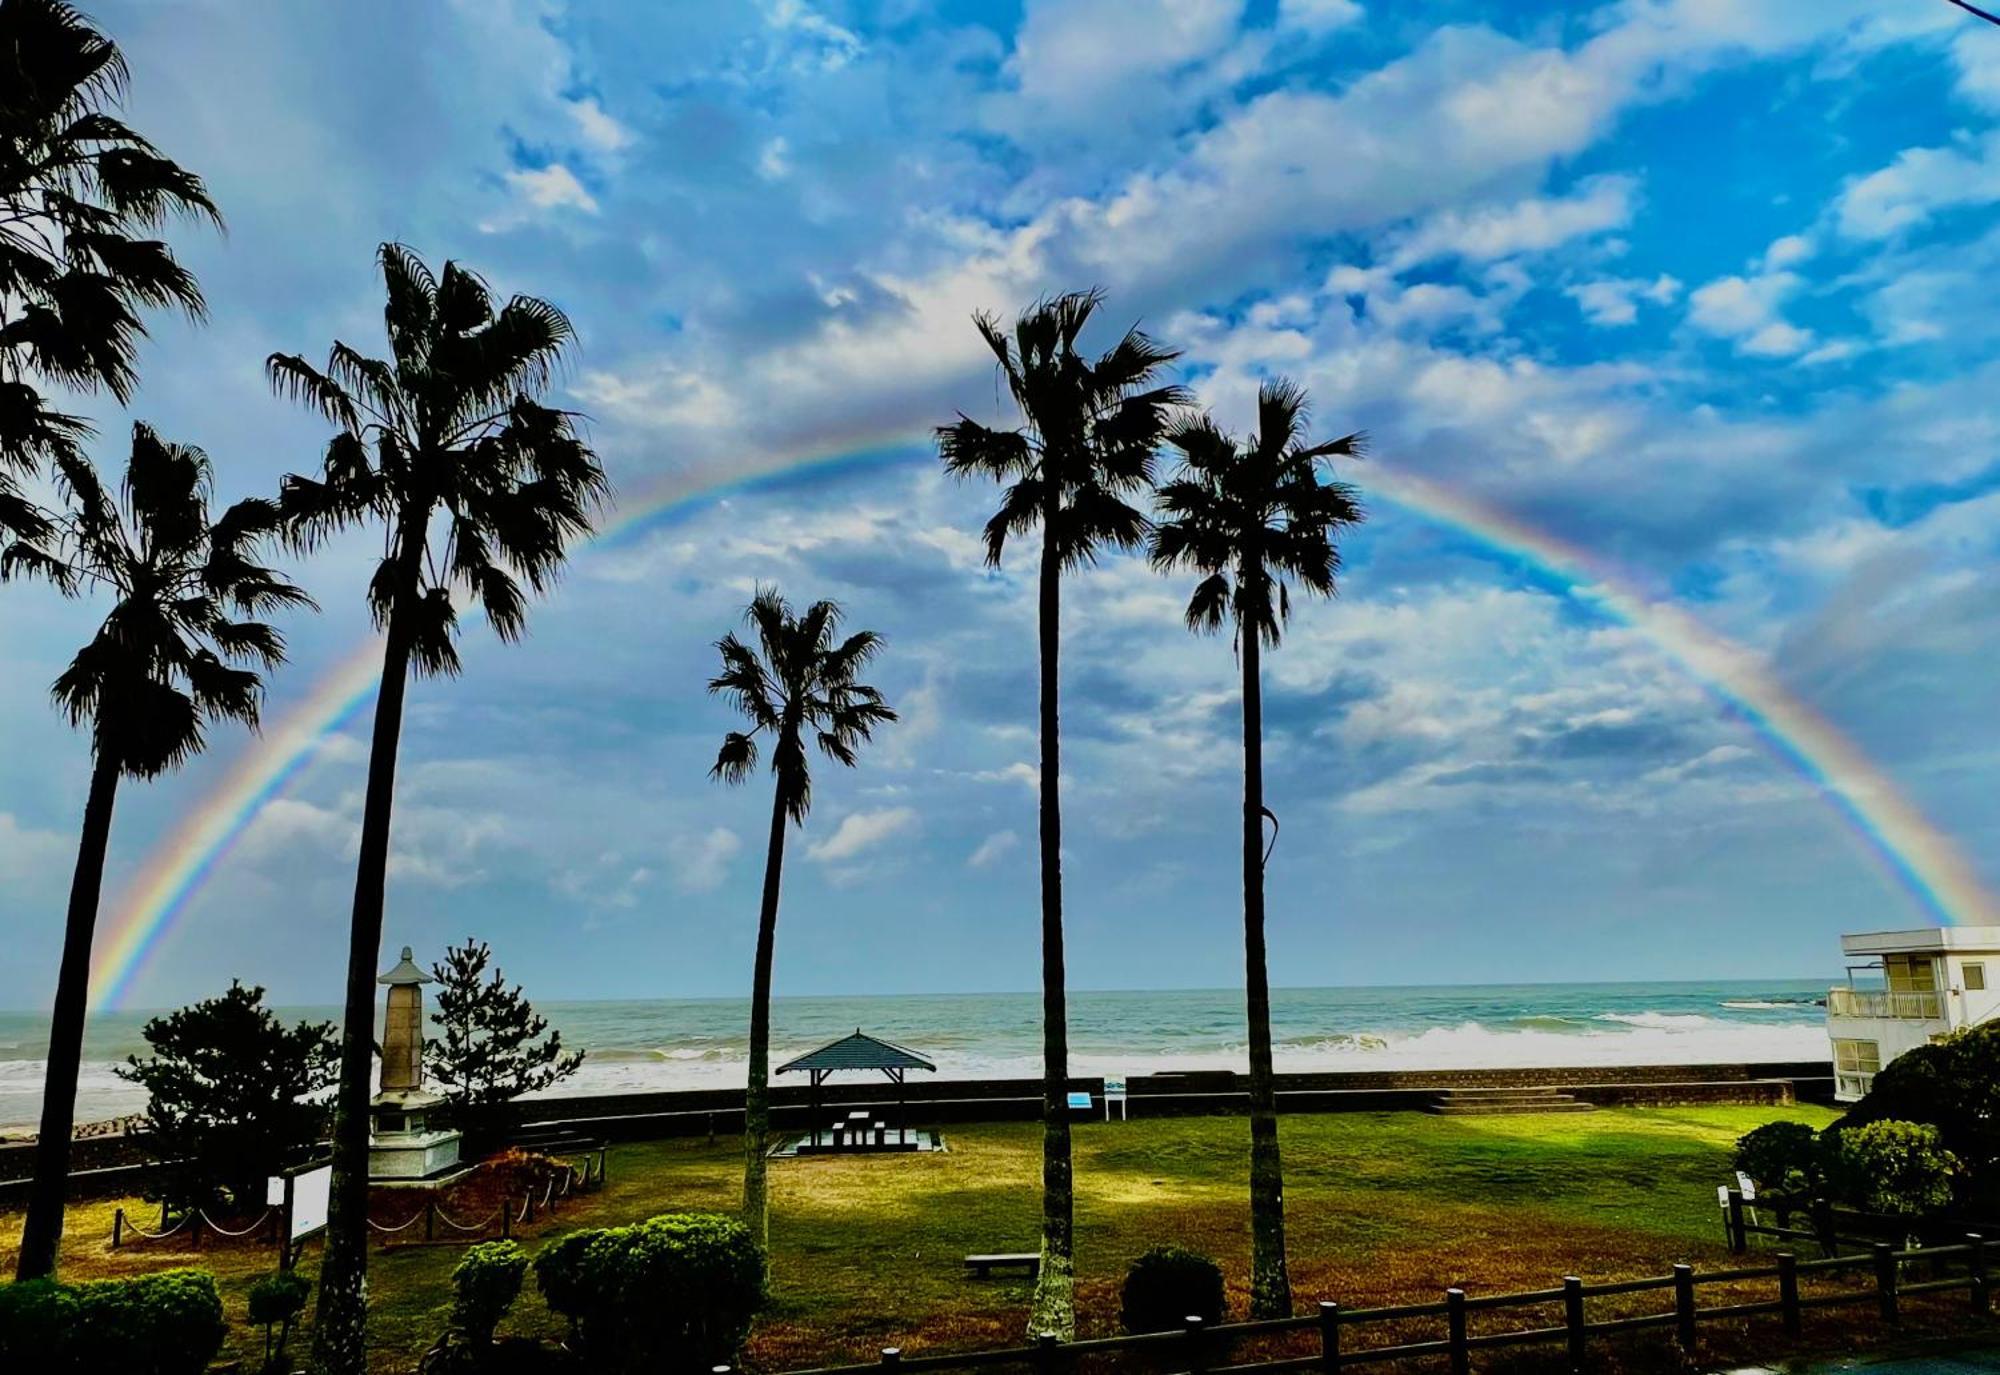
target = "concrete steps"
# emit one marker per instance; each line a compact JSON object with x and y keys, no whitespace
{"x":1490,"y":1102}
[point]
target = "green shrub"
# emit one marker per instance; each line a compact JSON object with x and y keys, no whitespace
{"x":487,"y":1281}
{"x":674,"y":1293}
{"x":1780,"y":1156}
{"x":1894,"y":1167}
{"x":1953,"y":1083}
{"x":37,"y":1319}
{"x":276,"y":1302}
{"x":165,"y":1324}
{"x":1167,"y":1286}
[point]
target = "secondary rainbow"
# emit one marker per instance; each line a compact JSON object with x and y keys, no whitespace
{"x":1913,"y":854}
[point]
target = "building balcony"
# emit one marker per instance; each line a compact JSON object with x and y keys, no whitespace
{"x":1879,"y":1003}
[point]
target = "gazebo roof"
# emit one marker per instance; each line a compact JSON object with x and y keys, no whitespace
{"x":859,"y":1051}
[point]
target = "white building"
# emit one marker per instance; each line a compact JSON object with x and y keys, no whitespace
{"x":1906,"y":988}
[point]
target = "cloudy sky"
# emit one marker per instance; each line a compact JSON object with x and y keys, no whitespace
{"x":1704,"y":288}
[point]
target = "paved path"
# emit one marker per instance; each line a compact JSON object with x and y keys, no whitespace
{"x":1951,"y":1363}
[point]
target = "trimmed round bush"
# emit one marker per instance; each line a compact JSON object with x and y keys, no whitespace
{"x":1780,"y":1155}
{"x":37,"y":1319}
{"x":275,"y":1302}
{"x":1900,"y":1168}
{"x":675,"y":1293}
{"x":486,"y":1283}
{"x":1167,"y":1286}
{"x":165,"y":1324}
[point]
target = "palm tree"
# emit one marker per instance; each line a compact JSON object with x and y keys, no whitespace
{"x":77,"y":186}
{"x":1247,"y":519}
{"x":161,"y":668}
{"x":446,"y":431}
{"x":1091,"y":426}
{"x":802,"y":683}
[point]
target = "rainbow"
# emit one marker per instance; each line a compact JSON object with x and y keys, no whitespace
{"x":1914,"y":856}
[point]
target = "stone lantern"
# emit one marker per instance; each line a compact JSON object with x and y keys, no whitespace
{"x":401,"y":1142}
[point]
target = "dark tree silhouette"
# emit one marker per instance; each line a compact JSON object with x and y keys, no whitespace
{"x":492,"y":1046}
{"x":445,"y":431}
{"x":162,"y":667}
{"x":798,"y":681}
{"x":1247,"y":518}
{"x":1086,"y":449}
{"x":77,"y":188}
{"x":233,"y":1096}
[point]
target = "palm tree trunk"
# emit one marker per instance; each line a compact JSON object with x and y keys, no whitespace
{"x":757,"y":1089}
{"x":340,"y":1314}
{"x":1270,"y":1285}
{"x":1054,"y":1308}
{"x":41,"y":1237}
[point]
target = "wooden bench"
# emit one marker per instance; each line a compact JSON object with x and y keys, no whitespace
{"x":983,"y":1266}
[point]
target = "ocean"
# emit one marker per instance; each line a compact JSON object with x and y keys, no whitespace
{"x":701,"y":1043}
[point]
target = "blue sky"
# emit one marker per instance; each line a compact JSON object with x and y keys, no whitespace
{"x":1705,"y":288}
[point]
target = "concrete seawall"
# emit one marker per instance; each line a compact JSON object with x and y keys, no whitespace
{"x":109,"y":1164}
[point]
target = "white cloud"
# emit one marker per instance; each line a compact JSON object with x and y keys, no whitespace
{"x":818,"y":41}
{"x":598,"y":129}
{"x":774,"y":160}
{"x":1318,"y":16}
{"x":1017,"y":772}
{"x":27,"y":853}
{"x":1787,"y":251}
{"x":1746,"y":310}
{"x":552,"y":187}
{"x":701,"y":861}
{"x":1613,"y":301}
{"x":1918,"y":184}
{"x":1533,"y":224}
{"x":991,"y":849}
{"x":859,"y":831}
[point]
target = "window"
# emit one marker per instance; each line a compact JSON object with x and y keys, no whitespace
{"x":1909,"y":974}
{"x":1857,"y":1057}
{"x":1975,"y":978}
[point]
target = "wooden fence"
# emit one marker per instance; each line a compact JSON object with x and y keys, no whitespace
{"x":1830,"y":1227}
{"x":1342,"y":1333}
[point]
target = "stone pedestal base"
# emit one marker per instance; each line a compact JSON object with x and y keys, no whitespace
{"x":411,"y":1155}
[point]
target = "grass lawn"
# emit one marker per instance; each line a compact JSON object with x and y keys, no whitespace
{"x":1381,"y":1208}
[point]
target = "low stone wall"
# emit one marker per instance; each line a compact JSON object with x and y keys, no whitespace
{"x":631,"y":1116}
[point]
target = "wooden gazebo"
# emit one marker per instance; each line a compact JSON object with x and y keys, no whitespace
{"x":858,"y":1052}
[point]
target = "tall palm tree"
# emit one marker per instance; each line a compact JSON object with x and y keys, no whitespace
{"x":77,"y":188}
{"x":1247,"y":518}
{"x":1085,"y":449}
{"x":162,"y":667}
{"x":444,"y":432}
{"x":802,"y":683}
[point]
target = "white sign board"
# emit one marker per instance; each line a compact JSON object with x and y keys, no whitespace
{"x":311,"y":1193}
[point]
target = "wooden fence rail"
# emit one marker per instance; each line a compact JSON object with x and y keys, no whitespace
{"x":1201,"y":1349}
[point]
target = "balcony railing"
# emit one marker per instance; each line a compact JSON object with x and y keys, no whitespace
{"x":1858,"y":1002}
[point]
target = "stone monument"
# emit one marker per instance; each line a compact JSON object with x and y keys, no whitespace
{"x":401,"y":1144}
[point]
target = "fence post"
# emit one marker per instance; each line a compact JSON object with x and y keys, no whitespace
{"x":1788,"y":1291}
{"x":1684,"y":1307}
{"x":1048,"y":1353}
{"x":430,"y":1217}
{"x":1982,"y":1301}
{"x":506,"y":1218}
{"x":1885,"y":1281}
{"x":1739,"y":1240}
{"x":528,"y":1209}
{"x":1454,"y":1318}
{"x":1783,"y":1204}
{"x":1196,"y":1357}
{"x":892,"y":1357}
{"x":1329,"y":1336}
{"x":1822,"y":1222}
{"x":1573,"y":1320}
{"x":117,"y":1229}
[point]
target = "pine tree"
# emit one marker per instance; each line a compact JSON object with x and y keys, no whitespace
{"x":491,"y":1045}
{"x":234,"y":1096}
